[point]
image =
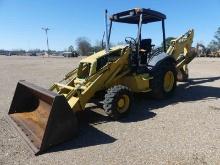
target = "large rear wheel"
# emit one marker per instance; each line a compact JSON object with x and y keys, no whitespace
{"x":164,"y":80}
{"x":118,"y":101}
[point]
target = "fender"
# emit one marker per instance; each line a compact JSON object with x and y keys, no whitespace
{"x":162,"y":57}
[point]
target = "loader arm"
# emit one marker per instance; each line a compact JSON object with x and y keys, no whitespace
{"x":79,"y":91}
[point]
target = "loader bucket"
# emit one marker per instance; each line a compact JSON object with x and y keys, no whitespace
{"x":42,"y":117}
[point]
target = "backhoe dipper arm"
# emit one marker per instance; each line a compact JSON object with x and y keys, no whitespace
{"x":180,"y":49}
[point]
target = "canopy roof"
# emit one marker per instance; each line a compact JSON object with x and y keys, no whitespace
{"x":132,"y":16}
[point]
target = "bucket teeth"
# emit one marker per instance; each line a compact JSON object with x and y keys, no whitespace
{"x":42,"y":117}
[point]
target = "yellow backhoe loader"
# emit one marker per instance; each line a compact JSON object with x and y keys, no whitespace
{"x":46,"y":118}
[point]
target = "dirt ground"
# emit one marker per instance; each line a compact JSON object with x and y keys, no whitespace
{"x":184,"y":129}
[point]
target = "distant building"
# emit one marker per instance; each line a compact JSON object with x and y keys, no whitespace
{"x":70,"y":54}
{"x":5,"y":52}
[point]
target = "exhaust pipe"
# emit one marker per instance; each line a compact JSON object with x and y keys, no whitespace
{"x":42,"y":117}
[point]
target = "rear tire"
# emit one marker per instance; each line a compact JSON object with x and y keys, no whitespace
{"x":164,"y":80}
{"x":118,"y":101}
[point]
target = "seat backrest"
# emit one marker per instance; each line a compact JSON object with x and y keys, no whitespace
{"x":146,"y":44}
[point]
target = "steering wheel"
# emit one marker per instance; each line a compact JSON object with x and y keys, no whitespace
{"x":130,"y":41}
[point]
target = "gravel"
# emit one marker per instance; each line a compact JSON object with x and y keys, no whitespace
{"x":184,"y":129}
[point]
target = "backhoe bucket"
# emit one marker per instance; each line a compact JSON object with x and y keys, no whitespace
{"x":42,"y":117}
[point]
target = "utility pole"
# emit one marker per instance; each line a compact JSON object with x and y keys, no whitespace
{"x":46,"y":32}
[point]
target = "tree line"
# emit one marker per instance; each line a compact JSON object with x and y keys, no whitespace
{"x":84,"y":46}
{"x":214,"y":45}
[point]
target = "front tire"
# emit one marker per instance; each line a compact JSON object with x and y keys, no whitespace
{"x":118,"y":101}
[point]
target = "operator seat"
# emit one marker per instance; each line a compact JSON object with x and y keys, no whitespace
{"x":145,"y":49}
{"x":145,"y":44}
